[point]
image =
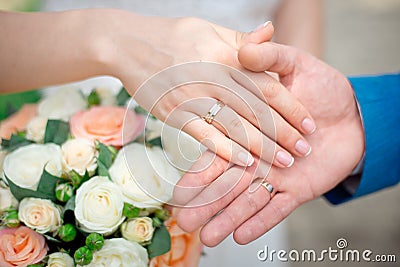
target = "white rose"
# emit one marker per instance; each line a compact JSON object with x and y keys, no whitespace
{"x":79,"y":155}
{"x":24,"y":166}
{"x":138,"y":230}
{"x":182,"y":149}
{"x":39,"y":214}
{"x":107,"y":97}
{"x":144,"y":175}
{"x":65,"y":102}
{"x":98,"y":206}
{"x":3,"y":154}
{"x":59,"y":259}
{"x":119,"y":252}
{"x":7,"y":199}
{"x":153,"y":128}
{"x":36,"y":129}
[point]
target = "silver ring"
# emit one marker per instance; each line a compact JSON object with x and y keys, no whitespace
{"x":268,"y":186}
{"x":209,"y":117}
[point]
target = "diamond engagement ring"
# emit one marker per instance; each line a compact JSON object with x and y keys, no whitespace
{"x":209,"y":117}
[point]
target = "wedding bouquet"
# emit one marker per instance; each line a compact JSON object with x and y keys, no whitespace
{"x":84,"y":183}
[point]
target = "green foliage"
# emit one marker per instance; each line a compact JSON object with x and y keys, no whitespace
{"x":161,"y":242}
{"x":45,"y":190}
{"x":15,"y":142}
{"x":122,"y":97}
{"x":57,"y":132}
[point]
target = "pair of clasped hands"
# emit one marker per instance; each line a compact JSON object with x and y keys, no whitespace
{"x":273,"y":145}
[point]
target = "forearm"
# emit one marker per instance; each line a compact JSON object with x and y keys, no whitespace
{"x":40,"y":49}
{"x":300,"y":23}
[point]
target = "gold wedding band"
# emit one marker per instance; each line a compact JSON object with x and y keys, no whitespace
{"x":209,"y":117}
{"x":268,"y":186}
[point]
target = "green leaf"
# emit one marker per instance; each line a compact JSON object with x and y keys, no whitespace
{"x":46,"y":188}
{"x":122,"y":96}
{"x":161,"y":242}
{"x":16,"y":141}
{"x":69,"y":208}
{"x":20,"y":193}
{"x":56,"y":132}
{"x":105,"y":155}
{"x":47,"y":184}
{"x":155,"y":142}
{"x":93,"y":98}
{"x":102,"y":170}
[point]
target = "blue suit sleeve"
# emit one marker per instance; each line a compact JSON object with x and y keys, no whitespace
{"x":379,"y":99}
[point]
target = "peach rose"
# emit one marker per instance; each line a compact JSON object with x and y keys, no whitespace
{"x":17,"y":121}
{"x":21,"y":247}
{"x":186,"y":248}
{"x":110,"y":125}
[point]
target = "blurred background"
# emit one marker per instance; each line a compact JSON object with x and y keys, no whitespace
{"x":361,"y":37}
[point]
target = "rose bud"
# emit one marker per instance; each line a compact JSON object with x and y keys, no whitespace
{"x":11,"y":218}
{"x":162,"y":214}
{"x":94,"y":241}
{"x":67,"y":232}
{"x":139,"y":230}
{"x":83,"y":256}
{"x":64,"y":192}
{"x":130,"y":211}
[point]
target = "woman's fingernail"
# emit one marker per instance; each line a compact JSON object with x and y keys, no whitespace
{"x":284,"y":158}
{"x":303,"y":147}
{"x":265,"y":24}
{"x":246,"y":158}
{"x":308,"y":126}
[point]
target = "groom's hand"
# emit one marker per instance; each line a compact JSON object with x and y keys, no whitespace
{"x":224,"y":199}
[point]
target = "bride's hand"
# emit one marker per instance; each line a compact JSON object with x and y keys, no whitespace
{"x":138,"y":49}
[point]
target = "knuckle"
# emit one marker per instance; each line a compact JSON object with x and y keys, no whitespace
{"x":287,"y":135}
{"x":203,"y":135}
{"x":236,"y":123}
{"x":296,"y":111}
{"x":252,"y":203}
{"x":271,"y":90}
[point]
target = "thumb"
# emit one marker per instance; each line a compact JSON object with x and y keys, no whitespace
{"x":268,"y":56}
{"x":263,"y":33}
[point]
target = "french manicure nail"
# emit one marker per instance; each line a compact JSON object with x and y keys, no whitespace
{"x":303,"y":147}
{"x":284,"y":158}
{"x":265,"y":24}
{"x":246,"y":158}
{"x":308,"y":126}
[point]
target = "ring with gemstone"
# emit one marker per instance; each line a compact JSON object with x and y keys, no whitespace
{"x":209,"y":117}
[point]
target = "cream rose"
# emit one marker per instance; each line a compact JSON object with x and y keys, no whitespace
{"x":98,"y":206}
{"x":144,"y":175}
{"x":79,"y":155}
{"x":61,"y":105}
{"x":119,"y":252}
{"x":139,"y":230}
{"x":7,"y":199}
{"x":25,"y":165}
{"x":107,"y":97}
{"x":39,"y":214}
{"x":59,"y":259}
{"x":36,"y":129}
